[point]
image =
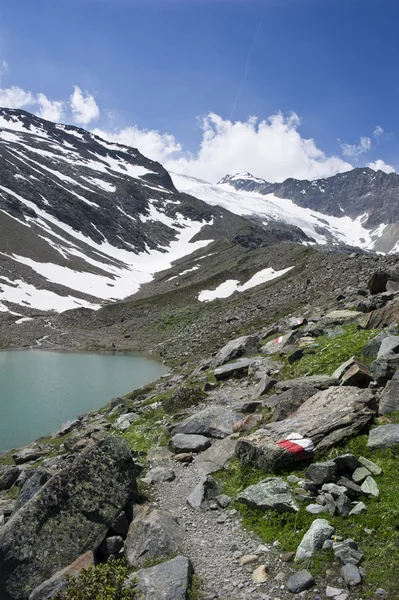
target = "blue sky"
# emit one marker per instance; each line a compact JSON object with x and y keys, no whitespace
{"x":164,"y":65}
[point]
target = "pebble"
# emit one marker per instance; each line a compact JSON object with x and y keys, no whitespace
{"x":261,"y":574}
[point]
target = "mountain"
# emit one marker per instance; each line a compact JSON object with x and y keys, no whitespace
{"x":369,"y":198}
{"x":84,"y":221}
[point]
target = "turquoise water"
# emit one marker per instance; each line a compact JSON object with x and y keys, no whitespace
{"x":40,"y":390}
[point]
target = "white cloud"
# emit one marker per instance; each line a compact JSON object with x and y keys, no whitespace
{"x":272,"y":149}
{"x":378,"y":131}
{"x":151,"y":143}
{"x":83,"y":106}
{"x":50,"y":110}
{"x":15,"y":97}
{"x":380,"y":165}
{"x":363,"y":146}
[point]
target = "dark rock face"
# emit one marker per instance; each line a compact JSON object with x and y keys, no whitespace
{"x":68,"y":517}
{"x":30,"y":487}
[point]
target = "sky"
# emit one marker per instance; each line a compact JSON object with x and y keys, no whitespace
{"x":278,"y":88}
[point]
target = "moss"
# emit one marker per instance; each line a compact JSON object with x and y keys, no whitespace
{"x":194,"y":591}
{"x":12,"y":492}
{"x":147,"y":431}
{"x":331,"y":353}
{"x":103,"y":581}
{"x":7,"y":459}
{"x":143,"y":391}
{"x":183,"y":398}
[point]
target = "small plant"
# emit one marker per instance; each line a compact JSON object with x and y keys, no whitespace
{"x":102,"y":582}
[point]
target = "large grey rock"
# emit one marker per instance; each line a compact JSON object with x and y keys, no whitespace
{"x":278,"y":344}
{"x":215,"y":421}
{"x":66,"y":428}
{"x":372,"y":347}
{"x":239,"y":368}
{"x":169,"y":580}
{"x":183,"y":442}
{"x":207,"y":489}
{"x":339,"y":317}
{"x":67,"y":517}
{"x":383,"y":436}
{"x":59,"y":582}
{"x":372,"y":467}
{"x":237,"y":348}
{"x":346,"y":463}
{"x":353,"y":372}
{"x":351,"y":575}
{"x":159,"y":474}
{"x":264,"y":386}
{"x":322,"y":472}
{"x":322,"y":421}
{"x":8,"y":476}
{"x":152,"y":534}
{"x":313,"y":540}
{"x":370,"y":487}
{"x":270,"y":494}
{"x":290,"y":400}
{"x":300,"y":581}
{"x":31,"y":486}
{"x":347,"y":552}
{"x":389,"y":345}
{"x":28,"y":454}
{"x":389,"y":401}
{"x":384,"y":369}
{"x":216,"y":457}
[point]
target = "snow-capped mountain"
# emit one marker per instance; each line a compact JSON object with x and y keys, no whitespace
{"x":367,"y":198}
{"x":83,"y":221}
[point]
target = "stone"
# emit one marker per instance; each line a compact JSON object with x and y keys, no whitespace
{"x":377,"y":283}
{"x":169,"y":580}
{"x":290,"y":400}
{"x":182,"y":442}
{"x":264,"y":386}
{"x":296,"y":355}
{"x":120,"y":526}
{"x":314,"y":538}
{"x":71,"y":515}
{"x":358,"y":509}
{"x":321,"y":473}
{"x":347,"y":552}
{"x":389,"y":401}
{"x":339,"y":317}
{"x":238,"y":368}
{"x":184,"y":457}
{"x":59,"y":582}
{"x":370,"y":350}
{"x":27,"y":455}
{"x":8,"y":477}
{"x":207,"y":489}
{"x":380,"y":593}
{"x":159,"y":475}
{"x":270,"y":494}
{"x":351,"y":575}
{"x":216,"y":457}
{"x":300,"y":581}
{"x":372,"y":467}
{"x":261,"y":574}
{"x":384,"y":369}
{"x":322,"y":421}
{"x":280,"y":342}
{"x":31,"y":486}
{"x":353,"y":372}
{"x":66,"y":428}
{"x":248,"y":559}
{"x":389,"y":345}
{"x":124,"y":421}
{"x":214,"y":421}
{"x":296,"y":322}
{"x":317,"y":382}
{"x":111,"y":545}
{"x":287,"y":556}
{"x":343,"y":505}
{"x":237,"y":348}
{"x":223,"y":500}
{"x":332,"y":592}
{"x":153,"y":534}
{"x":352,"y":490}
{"x":346,"y":463}
{"x":383,"y":436}
{"x":316,"y":509}
{"x":370,"y":487}
{"x":360,"y":475}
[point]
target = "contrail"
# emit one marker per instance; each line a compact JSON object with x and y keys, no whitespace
{"x":248,"y":61}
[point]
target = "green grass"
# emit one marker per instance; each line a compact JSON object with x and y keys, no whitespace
{"x":7,"y":459}
{"x":331,"y":353}
{"x":147,"y":431}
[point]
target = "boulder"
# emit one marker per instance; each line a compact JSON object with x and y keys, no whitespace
{"x":389,"y":346}
{"x":31,"y":486}
{"x":322,"y":421}
{"x":207,"y":489}
{"x":264,"y":386}
{"x":347,"y":552}
{"x":215,"y":421}
{"x":28,"y":454}
{"x":159,"y":475}
{"x":343,"y":505}
{"x":370,"y":487}
{"x":383,"y":437}
{"x":339,"y":317}
{"x":360,"y":475}
{"x":153,"y":534}
{"x":121,"y":525}
{"x":313,"y":540}
{"x":389,"y":401}
{"x":169,"y":580}
{"x":384,"y":369}
{"x":124,"y":421}
{"x":351,"y":575}
{"x":8,"y":476}
{"x":372,"y":467}
{"x":377,"y":283}
{"x":296,"y":322}
{"x":372,"y":347}
{"x":300,"y":581}
{"x":111,"y":545}
{"x":237,"y":348}
{"x":239,"y":368}
{"x":183,"y":442}
{"x":59,"y":582}
{"x":69,"y":516}
{"x":263,"y":366}
{"x":280,"y":343}
{"x":216,"y":457}
{"x":289,"y":401}
{"x":322,"y":472}
{"x":353,"y":372}
{"x":358,"y":509}
{"x":66,"y":428}
{"x":270,"y":494}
